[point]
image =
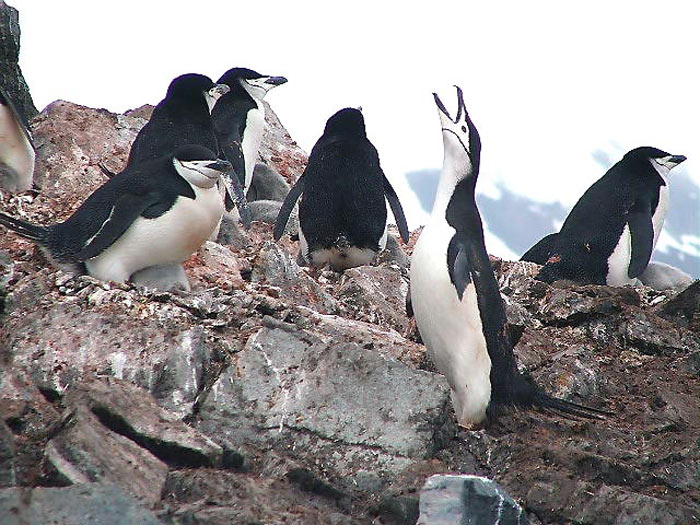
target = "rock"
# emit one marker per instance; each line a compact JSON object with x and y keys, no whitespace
{"x":94,"y":503}
{"x":453,"y":500}
{"x":684,"y":308}
{"x":8,"y":451}
{"x":11,"y":78}
{"x":292,"y":392}
{"x":86,"y":451}
{"x":274,"y":266}
{"x":133,"y":413}
{"x":376,"y":295}
{"x":267,"y":184}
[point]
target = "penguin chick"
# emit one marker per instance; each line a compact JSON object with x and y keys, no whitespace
{"x":17,"y":152}
{"x":153,"y":213}
{"x":455,"y":296}
{"x":342,"y":213}
{"x":610,"y":234}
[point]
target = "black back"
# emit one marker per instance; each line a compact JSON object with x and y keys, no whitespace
{"x":181,"y":118}
{"x":627,"y":193}
{"x":343,"y":187}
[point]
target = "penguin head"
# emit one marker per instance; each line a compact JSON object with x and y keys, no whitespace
{"x":460,"y":138}
{"x":346,"y":122}
{"x":660,"y":160}
{"x":198,"y":165}
{"x":254,"y":83}
{"x":190,"y":87}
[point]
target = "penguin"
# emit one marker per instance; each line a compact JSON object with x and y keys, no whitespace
{"x":610,"y":234}
{"x":342,"y":213}
{"x":183,"y":118}
{"x":153,"y":213}
{"x":17,"y":152}
{"x":267,"y":185}
{"x":662,"y":276}
{"x":239,"y":118}
{"x":455,"y":296}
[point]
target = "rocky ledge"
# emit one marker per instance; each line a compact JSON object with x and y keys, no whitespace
{"x":269,"y":395}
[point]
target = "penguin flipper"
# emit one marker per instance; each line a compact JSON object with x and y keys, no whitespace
{"x":287,"y":207}
{"x":396,"y":208}
{"x":541,"y":250}
{"x":642,"y":233}
{"x":458,"y":263}
{"x":235,"y":193}
{"x":124,"y":212}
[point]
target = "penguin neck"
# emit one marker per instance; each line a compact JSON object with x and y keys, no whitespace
{"x":453,"y":171}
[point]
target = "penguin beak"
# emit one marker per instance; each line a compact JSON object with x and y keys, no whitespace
{"x":219,"y":165}
{"x":441,"y":106}
{"x":275,"y":81}
{"x":461,"y":107}
{"x":675,"y":160}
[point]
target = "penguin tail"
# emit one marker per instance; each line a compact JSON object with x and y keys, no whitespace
{"x":25,"y":229}
{"x":564,"y":408}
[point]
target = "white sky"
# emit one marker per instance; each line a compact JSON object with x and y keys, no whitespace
{"x":546,"y":83}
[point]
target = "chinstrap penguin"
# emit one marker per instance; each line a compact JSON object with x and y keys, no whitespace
{"x":239,"y":118}
{"x":153,"y":213}
{"x":184,"y":117}
{"x":16,"y":148}
{"x":342,"y":213}
{"x":609,"y":235}
{"x":455,"y":295}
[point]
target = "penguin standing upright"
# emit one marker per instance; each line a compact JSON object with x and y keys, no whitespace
{"x":181,"y":118}
{"x":154,"y":212}
{"x":455,"y":297}
{"x":342,"y":213}
{"x":239,"y":118}
{"x":16,"y":148}
{"x":609,"y":235}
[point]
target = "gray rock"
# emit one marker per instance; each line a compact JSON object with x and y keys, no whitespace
{"x":86,"y":451}
{"x":335,"y":406}
{"x":133,"y":413}
{"x":376,"y":295}
{"x":93,"y":503}
{"x":164,"y":277}
{"x":8,"y":473}
{"x":11,"y":78}
{"x":274,"y":266}
{"x":267,"y":184}
{"x":462,"y":500}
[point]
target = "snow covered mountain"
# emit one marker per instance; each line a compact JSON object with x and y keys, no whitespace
{"x":513,"y":222}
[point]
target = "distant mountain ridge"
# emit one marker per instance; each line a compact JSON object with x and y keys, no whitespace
{"x":519,"y":221}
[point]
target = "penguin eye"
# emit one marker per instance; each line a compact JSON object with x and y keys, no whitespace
{"x":464,"y":129}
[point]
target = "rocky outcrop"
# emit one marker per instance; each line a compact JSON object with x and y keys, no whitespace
{"x":270,"y":393}
{"x":11,"y":78}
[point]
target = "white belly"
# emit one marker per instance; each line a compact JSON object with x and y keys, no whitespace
{"x":252,"y":136}
{"x":171,"y":238}
{"x":450,"y":328}
{"x":659,"y":216}
{"x":16,"y":154}
{"x":619,"y":261}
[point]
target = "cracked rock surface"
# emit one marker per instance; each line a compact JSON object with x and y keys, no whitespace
{"x":270,"y":394}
